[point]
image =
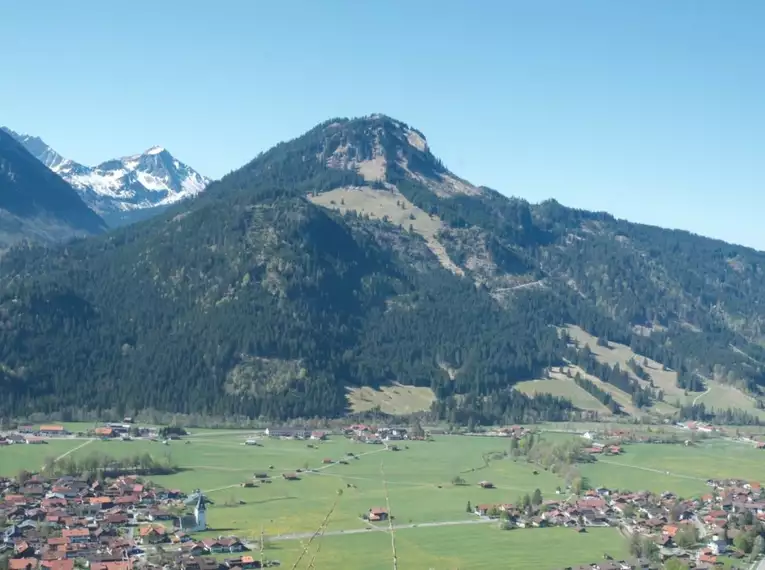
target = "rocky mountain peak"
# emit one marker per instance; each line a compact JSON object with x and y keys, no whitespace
{"x":122,"y":189}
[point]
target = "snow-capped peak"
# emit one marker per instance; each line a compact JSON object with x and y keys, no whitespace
{"x":120,"y":186}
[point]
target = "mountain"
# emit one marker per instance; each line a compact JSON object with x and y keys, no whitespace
{"x":349,"y":266}
{"x":35,"y":204}
{"x":123,"y":190}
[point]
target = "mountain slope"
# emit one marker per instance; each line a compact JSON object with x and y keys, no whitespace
{"x":352,"y":257}
{"x":35,"y":204}
{"x":126,"y":189}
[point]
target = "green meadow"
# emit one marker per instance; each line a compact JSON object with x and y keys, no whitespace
{"x":438,"y":532}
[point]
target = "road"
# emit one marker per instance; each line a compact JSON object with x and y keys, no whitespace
{"x":306,"y":535}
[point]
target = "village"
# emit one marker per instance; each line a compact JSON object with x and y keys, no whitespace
{"x":114,"y":518}
{"x":69,"y":522}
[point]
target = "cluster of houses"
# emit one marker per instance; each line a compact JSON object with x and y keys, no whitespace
{"x":31,"y":434}
{"x":518,"y":432}
{"x":295,"y":433}
{"x":701,"y":427}
{"x":49,"y":524}
{"x":713,"y":519}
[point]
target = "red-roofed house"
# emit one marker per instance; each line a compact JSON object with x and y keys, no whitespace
{"x":23,"y":563}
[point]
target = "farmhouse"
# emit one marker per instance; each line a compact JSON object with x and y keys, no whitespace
{"x":294,"y":433}
{"x":52,"y":430}
{"x":486,"y":485}
{"x":377,"y":514}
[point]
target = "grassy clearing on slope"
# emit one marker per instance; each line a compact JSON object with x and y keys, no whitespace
{"x":379,"y":204}
{"x":720,"y":396}
{"x":563,"y":387}
{"x":395,"y":400}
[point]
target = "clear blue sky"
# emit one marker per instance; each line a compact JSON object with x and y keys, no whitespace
{"x":652,"y":110}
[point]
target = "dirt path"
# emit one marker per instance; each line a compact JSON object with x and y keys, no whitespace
{"x":60,"y":457}
{"x":651,"y":470}
{"x":697,"y":398}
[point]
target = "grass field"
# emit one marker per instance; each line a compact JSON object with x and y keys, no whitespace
{"x":467,"y":547}
{"x":396,"y":400}
{"x":419,"y":488}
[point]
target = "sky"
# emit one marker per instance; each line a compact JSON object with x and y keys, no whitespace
{"x":651,"y":110}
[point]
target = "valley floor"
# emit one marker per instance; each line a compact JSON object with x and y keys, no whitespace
{"x":431,"y":526}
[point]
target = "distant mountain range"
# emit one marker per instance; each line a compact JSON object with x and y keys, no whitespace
{"x":349,"y":262}
{"x":126,"y":189}
{"x":35,"y":204}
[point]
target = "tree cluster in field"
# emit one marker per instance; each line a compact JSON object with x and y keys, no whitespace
{"x":103,"y":465}
{"x":725,"y":416}
{"x":251,"y":302}
{"x":601,"y":395}
{"x":644,"y":547}
{"x":614,"y":375}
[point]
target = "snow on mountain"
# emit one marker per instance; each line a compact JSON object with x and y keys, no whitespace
{"x":117,"y":189}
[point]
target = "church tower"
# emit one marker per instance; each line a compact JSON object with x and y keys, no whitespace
{"x":200,"y":512}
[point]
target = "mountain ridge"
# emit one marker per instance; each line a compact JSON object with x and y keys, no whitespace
{"x":125,"y":189}
{"x":351,"y":257}
{"x":35,"y":204}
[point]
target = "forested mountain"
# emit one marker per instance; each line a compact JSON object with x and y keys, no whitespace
{"x":351,"y":256}
{"x":35,"y":204}
{"x":122,"y":190}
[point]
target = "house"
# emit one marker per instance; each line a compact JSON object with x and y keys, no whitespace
{"x":23,"y":564}
{"x":717,"y":547}
{"x":119,"y":565}
{"x":153,"y":534}
{"x":66,"y":564}
{"x":244,"y":562}
{"x":198,"y":563}
{"x":377,"y":514}
{"x":295,"y":433}
{"x":76,"y":535}
{"x":104,"y":432}
{"x":193,"y":548}
{"x":232,"y":544}
{"x":486,"y":485}
{"x":223,"y":545}
{"x":483,"y":509}
{"x":319,"y":435}
{"x":290,"y":476}
{"x":706,"y":556}
{"x":52,"y":430}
